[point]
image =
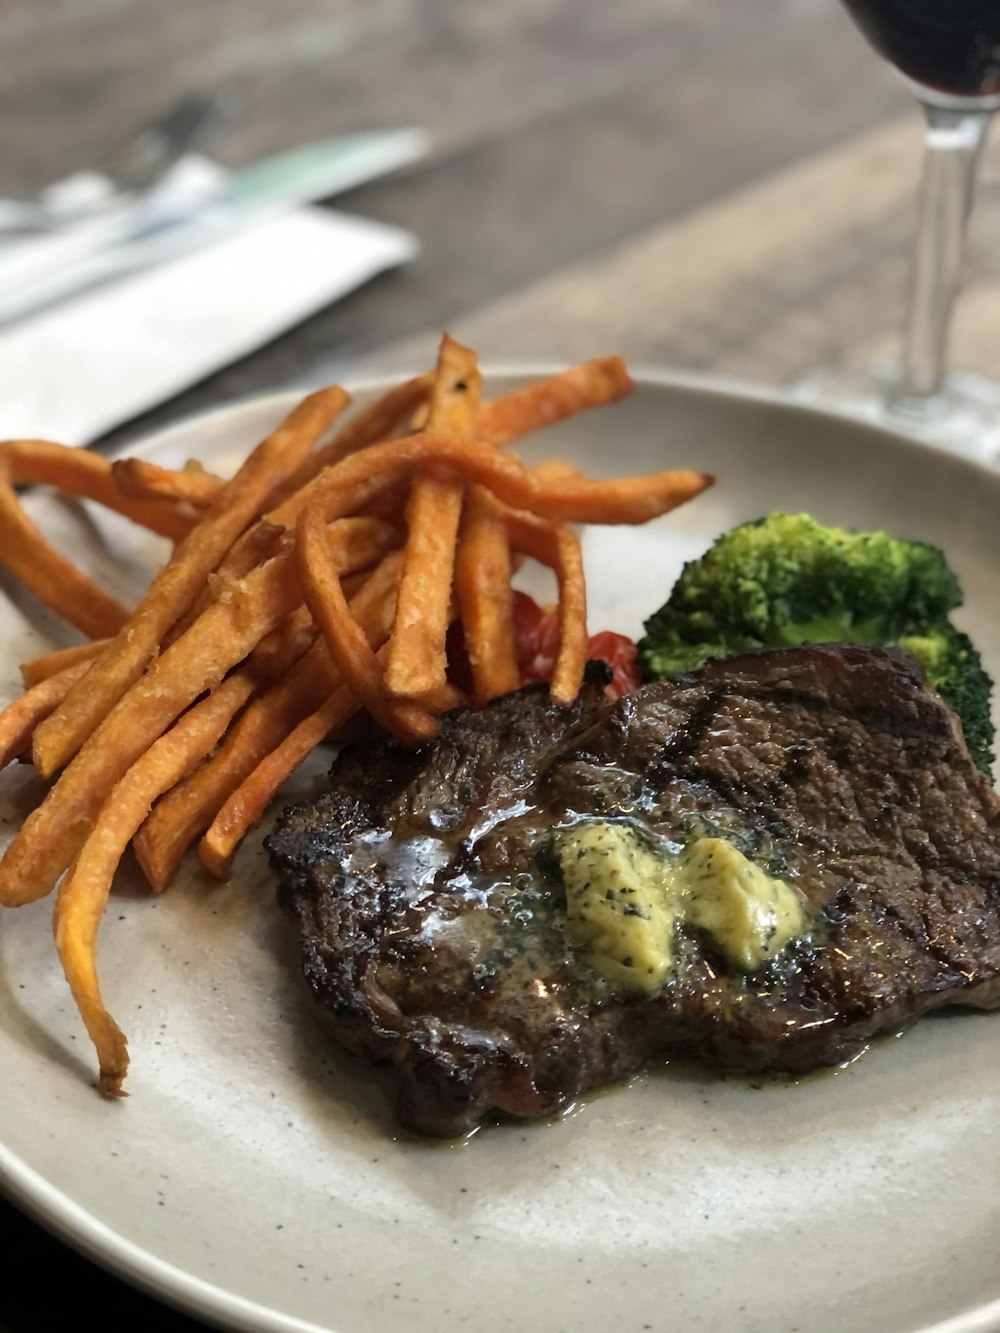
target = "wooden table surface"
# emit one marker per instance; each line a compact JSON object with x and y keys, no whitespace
{"x":710,"y":184}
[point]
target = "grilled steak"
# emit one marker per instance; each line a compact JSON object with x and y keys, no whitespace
{"x":433,"y":926}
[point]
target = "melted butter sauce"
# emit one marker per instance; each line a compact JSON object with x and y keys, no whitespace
{"x":465,"y":921}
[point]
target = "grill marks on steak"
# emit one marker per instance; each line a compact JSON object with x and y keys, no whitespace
{"x":432,"y":938}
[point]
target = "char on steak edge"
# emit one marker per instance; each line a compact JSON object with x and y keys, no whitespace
{"x":433,"y":938}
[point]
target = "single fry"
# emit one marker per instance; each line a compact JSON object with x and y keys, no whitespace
{"x":416,"y":660}
{"x":483,"y":570}
{"x":179,"y":581}
{"x":89,"y":475}
{"x":631,"y":500}
{"x":142,"y":480}
{"x":558,"y":547}
{"x":20,"y":718}
{"x":53,"y":579}
{"x":591,"y":384}
{"x":346,"y":640}
{"x":50,"y":664}
{"x":84,"y":891}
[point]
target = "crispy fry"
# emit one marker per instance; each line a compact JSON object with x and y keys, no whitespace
{"x":590,"y":384}
{"x":88,"y":475}
{"x":558,"y":546}
{"x":357,"y":482}
{"x":416,"y":661}
{"x":631,"y":500}
{"x":50,"y":664}
{"x":485,"y":598}
{"x":178,"y":582}
{"x":143,"y":480}
{"x":84,"y":891}
{"x":20,"y":718}
{"x":56,"y":582}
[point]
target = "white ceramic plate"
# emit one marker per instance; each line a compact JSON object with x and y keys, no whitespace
{"x":254,"y":1176}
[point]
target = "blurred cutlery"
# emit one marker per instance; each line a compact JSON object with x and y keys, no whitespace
{"x":195,"y":204}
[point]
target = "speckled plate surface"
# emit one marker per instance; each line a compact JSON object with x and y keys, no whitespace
{"x":254,"y":1175}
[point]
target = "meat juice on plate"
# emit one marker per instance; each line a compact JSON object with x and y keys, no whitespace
{"x":949,"y":45}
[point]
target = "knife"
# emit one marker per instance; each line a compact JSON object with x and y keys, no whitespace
{"x":196,"y":205}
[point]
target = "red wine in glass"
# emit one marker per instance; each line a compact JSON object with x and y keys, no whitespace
{"x":949,"y":53}
{"x":950,"y":46}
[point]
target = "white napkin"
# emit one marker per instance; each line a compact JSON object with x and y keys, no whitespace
{"x":73,"y":371}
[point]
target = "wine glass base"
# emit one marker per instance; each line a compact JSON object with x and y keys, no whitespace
{"x":964,"y":417}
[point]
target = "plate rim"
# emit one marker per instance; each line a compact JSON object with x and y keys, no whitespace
{"x":52,"y":1208}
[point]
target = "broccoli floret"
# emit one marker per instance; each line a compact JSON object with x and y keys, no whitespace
{"x":953,"y":667}
{"x":787,"y":579}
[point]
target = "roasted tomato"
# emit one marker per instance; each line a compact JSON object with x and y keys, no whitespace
{"x":620,"y":654}
{"x":537,"y":629}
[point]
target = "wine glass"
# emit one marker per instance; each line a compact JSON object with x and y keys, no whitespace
{"x":949,"y":53}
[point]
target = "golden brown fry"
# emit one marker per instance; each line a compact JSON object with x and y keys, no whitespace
{"x":53,"y":579}
{"x":629,"y":500}
{"x":187,"y":811}
{"x":416,"y":661}
{"x":558,"y":546}
{"x":50,"y":664}
{"x":179,"y":581}
{"x":485,"y":598}
{"x":359,"y":480}
{"x":20,"y":718}
{"x":142,"y":480}
{"x":88,"y":475}
{"x":591,"y":384}
{"x":84,"y":891}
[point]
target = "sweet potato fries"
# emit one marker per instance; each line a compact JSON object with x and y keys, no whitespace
{"x":324,"y":577}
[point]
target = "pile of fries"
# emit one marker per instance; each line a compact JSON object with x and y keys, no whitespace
{"x":321,"y":579}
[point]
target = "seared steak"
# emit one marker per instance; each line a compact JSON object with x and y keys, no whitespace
{"x":433,"y":923}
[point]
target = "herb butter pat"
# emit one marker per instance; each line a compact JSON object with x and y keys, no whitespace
{"x":620,"y":908}
{"x":750,"y":915}
{"x":625,"y":902}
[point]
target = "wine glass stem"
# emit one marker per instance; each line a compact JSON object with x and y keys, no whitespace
{"x":953,"y":143}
